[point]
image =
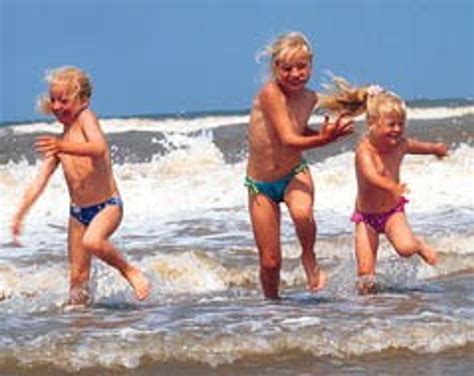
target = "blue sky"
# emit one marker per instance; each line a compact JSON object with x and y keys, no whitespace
{"x":164,"y":56}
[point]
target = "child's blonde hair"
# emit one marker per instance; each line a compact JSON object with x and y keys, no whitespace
{"x":78,"y":83}
{"x":284,"y":47}
{"x":373,"y":100}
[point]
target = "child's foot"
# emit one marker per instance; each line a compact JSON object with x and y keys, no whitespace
{"x":140,"y":284}
{"x":428,"y":254}
{"x":316,"y":279}
{"x":3,"y":295}
{"x":78,"y":297}
{"x":366,"y":285}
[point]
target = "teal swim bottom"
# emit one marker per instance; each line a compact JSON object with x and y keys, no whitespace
{"x":275,"y":190}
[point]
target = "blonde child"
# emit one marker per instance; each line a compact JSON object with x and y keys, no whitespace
{"x":379,"y":207}
{"x":96,"y":206}
{"x":276,"y":170}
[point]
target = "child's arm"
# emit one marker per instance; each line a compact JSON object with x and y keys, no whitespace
{"x":32,"y":193}
{"x":275,"y":107}
{"x":418,"y":147}
{"x":311,"y":132}
{"x":365,"y":168}
{"x":95,"y":145}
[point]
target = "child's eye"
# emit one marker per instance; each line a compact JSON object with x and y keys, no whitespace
{"x":63,"y":101}
{"x":302,"y":65}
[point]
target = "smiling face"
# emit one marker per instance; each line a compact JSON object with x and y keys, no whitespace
{"x":292,"y":71}
{"x":64,"y":103}
{"x":386,"y":116}
{"x":70,"y":90}
{"x":387,"y":129}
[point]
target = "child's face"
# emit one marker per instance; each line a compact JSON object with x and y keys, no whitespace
{"x":294,"y":72}
{"x":64,"y":106}
{"x":387,"y":130}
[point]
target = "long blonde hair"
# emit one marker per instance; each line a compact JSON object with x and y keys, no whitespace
{"x":78,"y":83}
{"x":340,"y":96}
{"x":284,"y":47}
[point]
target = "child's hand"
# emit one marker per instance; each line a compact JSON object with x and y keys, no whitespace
{"x":440,"y":150}
{"x":340,"y":128}
{"x":400,"y":189}
{"x":48,"y":145}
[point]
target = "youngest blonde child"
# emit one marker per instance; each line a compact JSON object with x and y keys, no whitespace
{"x":379,"y":207}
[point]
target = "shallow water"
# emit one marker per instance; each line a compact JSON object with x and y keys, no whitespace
{"x":186,"y":224}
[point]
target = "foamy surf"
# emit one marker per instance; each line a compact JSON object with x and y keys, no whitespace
{"x":186,"y":225}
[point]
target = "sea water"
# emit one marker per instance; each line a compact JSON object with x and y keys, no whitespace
{"x":186,"y":225}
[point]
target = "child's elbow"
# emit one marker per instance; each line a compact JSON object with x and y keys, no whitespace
{"x":441,"y":150}
{"x":100,"y":151}
{"x":289,"y":141}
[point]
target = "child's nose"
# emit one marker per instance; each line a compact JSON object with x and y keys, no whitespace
{"x":294,"y":71}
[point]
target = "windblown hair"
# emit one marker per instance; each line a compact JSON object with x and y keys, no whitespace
{"x":78,"y":85}
{"x":342,"y":97}
{"x":284,"y":48}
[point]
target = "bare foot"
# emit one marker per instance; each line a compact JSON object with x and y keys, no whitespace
{"x":316,"y":279}
{"x":140,"y":284}
{"x":366,"y":285}
{"x":79,"y":296}
{"x":428,"y":254}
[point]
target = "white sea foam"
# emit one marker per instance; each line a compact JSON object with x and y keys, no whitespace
{"x":196,"y":178}
{"x":186,"y":125}
{"x":168,"y":125}
{"x":186,"y":226}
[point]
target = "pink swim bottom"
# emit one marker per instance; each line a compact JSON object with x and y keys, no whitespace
{"x":378,"y":220}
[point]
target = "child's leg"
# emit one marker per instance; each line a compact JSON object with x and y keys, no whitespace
{"x":299,"y":199}
{"x":399,"y":233}
{"x":79,"y":264}
{"x":95,"y":240}
{"x":366,"y":244}
{"x":265,"y":217}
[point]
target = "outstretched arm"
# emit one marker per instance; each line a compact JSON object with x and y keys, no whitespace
{"x":95,"y":145}
{"x":274,"y":106}
{"x":32,"y":193}
{"x":366,"y":169}
{"x":418,"y":147}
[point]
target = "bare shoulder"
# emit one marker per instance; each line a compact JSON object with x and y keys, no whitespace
{"x":363,"y":148}
{"x":272,"y":100}
{"x":270,"y":92}
{"x":89,"y":120}
{"x":88,"y":116}
{"x":365,"y":154}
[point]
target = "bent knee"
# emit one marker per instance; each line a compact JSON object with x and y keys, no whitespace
{"x":270,"y":263}
{"x":92,"y":244}
{"x":408,"y":248}
{"x":303,"y":213}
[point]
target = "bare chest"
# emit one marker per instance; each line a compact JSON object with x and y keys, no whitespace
{"x":76,"y":168}
{"x":388,"y":165}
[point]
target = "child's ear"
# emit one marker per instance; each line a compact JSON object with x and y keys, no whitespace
{"x":371,"y":124}
{"x":85,"y":103}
